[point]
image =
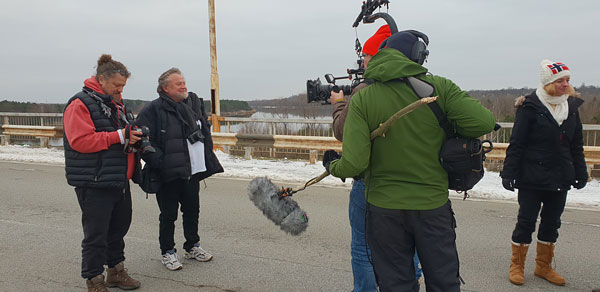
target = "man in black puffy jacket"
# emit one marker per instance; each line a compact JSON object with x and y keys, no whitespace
{"x":180,"y":133}
{"x":96,"y":133}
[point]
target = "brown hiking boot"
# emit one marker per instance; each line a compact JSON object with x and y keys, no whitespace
{"x":118,"y":277}
{"x":543,"y":267}
{"x":517,"y":264}
{"x":96,"y":284}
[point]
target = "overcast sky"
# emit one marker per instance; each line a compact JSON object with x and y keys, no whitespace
{"x":268,"y":49}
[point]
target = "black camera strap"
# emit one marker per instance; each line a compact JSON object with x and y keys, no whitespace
{"x":442,"y":119}
{"x":162,"y":117}
{"x":126,"y":148}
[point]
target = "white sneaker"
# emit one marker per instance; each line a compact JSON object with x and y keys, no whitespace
{"x":171,"y":260}
{"x":198,"y":254}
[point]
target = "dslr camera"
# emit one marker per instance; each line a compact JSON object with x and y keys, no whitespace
{"x":143,"y":145}
{"x":196,"y":136}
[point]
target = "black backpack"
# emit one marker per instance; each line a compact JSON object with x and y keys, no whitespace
{"x":462,"y":158}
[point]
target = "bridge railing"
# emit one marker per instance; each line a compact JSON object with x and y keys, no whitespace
{"x":259,"y":137}
{"x":272,"y":126}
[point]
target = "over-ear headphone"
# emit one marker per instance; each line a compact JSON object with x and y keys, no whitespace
{"x":417,"y":52}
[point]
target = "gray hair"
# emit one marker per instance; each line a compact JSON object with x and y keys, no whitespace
{"x":164,"y":78}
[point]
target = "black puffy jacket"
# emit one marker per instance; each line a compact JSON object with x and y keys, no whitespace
{"x":103,"y":169}
{"x":541,"y":154}
{"x":167,"y":136}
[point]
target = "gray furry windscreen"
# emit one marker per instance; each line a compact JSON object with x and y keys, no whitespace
{"x":283,"y":211}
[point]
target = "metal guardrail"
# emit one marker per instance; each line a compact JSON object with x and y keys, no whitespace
{"x":31,"y":128}
{"x":272,"y":136}
{"x":592,"y":153}
{"x":296,"y":127}
{"x":267,"y":126}
{"x":35,"y":131}
{"x":277,"y":141}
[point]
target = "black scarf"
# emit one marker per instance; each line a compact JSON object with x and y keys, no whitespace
{"x":185,"y":113}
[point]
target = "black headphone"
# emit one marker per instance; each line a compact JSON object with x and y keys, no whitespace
{"x":419,"y":50}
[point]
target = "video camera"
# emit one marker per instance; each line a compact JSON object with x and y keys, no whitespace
{"x":317,"y":92}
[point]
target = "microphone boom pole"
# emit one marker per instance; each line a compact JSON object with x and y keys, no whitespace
{"x":277,"y":204}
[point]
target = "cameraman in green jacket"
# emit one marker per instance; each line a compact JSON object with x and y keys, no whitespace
{"x":407,"y":188}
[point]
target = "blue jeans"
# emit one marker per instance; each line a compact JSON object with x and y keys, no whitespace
{"x":418,"y":271}
{"x":362,"y":270}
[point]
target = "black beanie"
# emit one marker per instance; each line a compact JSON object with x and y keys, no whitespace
{"x":402,"y":41}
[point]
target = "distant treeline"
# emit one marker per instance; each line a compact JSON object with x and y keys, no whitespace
{"x":500,"y":102}
{"x":30,"y":107}
{"x":134,"y":104}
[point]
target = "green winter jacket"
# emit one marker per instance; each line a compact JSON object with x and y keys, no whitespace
{"x":402,"y":169}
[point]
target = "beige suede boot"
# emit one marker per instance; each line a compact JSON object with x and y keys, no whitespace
{"x":543,"y":264}
{"x":96,"y":284}
{"x":118,"y":277}
{"x":517,"y":263}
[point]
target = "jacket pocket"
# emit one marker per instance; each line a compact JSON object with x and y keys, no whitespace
{"x":537,"y":168}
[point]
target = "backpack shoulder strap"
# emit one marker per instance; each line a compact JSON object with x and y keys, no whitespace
{"x":425,"y":89}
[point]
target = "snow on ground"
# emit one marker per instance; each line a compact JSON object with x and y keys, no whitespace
{"x":298,"y":172}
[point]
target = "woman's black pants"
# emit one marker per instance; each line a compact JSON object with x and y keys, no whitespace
{"x":531,"y":201}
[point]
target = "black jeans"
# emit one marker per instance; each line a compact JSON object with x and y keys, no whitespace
{"x":106,"y":217}
{"x":530,"y":201}
{"x":393,"y":236}
{"x":169,"y":197}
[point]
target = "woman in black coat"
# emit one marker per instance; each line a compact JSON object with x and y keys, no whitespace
{"x":543,"y":160}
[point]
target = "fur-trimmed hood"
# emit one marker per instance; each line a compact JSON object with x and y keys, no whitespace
{"x":519,"y":100}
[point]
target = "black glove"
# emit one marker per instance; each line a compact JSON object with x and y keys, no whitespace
{"x":580,"y":183}
{"x":328,"y":157}
{"x":508,"y":184}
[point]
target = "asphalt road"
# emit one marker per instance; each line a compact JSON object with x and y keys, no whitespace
{"x":40,"y":241}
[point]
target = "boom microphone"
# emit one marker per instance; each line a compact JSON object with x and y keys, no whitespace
{"x":282,"y":210}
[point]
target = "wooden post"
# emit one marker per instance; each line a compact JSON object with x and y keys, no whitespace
{"x":248,"y":152}
{"x":273,"y":131}
{"x":214,"y":75}
{"x":312,"y":157}
{"x":44,"y":142}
